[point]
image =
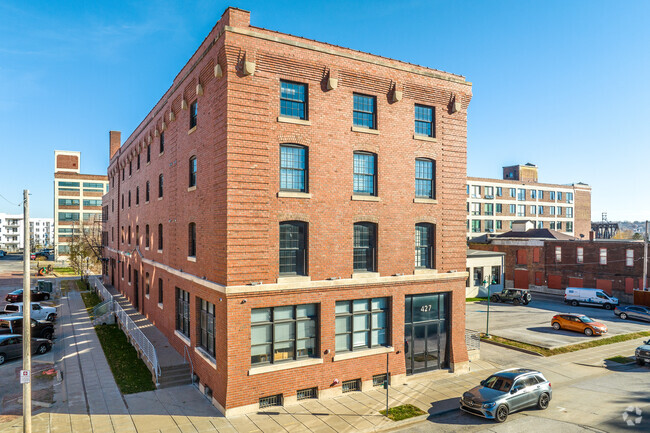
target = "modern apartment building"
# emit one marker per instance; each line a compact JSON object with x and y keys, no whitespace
{"x":77,"y":199}
{"x":281,"y":216}
{"x":494,"y":204}
{"x":41,"y":232}
{"x":11,"y":232}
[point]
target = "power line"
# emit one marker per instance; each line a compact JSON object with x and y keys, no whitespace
{"x":10,"y":202}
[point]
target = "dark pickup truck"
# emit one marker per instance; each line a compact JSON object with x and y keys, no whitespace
{"x":14,"y":325}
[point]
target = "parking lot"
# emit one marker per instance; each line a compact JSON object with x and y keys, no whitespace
{"x":532,"y":323}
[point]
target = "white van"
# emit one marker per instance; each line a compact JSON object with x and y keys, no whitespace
{"x":577,"y":295}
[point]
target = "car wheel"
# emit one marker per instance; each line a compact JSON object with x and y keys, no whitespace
{"x":50,"y":317}
{"x":574,"y":303}
{"x":589,"y":332}
{"x":2,"y":358}
{"x":516,"y":301}
{"x":623,"y":316}
{"x":608,"y":306}
{"x":502,"y":413}
{"x":543,"y":401}
{"x":494,"y":298}
{"x":46,"y":297}
{"x":41,"y":349}
{"x":47,"y":335}
{"x":526,"y":302}
{"x":640,"y":362}
{"x":556,"y":326}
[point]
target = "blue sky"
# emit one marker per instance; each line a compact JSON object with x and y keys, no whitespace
{"x":561,"y":84}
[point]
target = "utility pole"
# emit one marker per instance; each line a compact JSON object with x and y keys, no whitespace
{"x":25,"y":376}
{"x":645,"y":257}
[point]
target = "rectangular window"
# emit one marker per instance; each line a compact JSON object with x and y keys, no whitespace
{"x":272,"y":400}
{"x":569,"y":226}
{"x":551,"y":225}
{"x":521,"y":194}
{"x":160,"y":291}
{"x":191,"y":240}
{"x":192,"y":172}
{"x":146,"y":192}
{"x":559,"y":196}
{"x":206,"y":324}
{"x":559,"y":210}
{"x":499,"y":191}
{"x":476,"y":226}
{"x":425,"y":178}
{"x":351,"y":385}
{"x":558,"y":254}
{"x":183,"y":312}
{"x":365,"y":244}
{"x":533,"y":210}
{"x":424,"y":245}
{"x":533,"y":194}
{"x":540,"y":224}
{"x":476,"y":191}
{"x":148,"y":155}
{"x":603,"y":256}
{"x":499,"y":224}
{"x":551,"y":210}
{"x":283,"y":333}
{"x":160,"y":237}
{"x":512,"y":209}
{"x":559,"y":225}
{"x":162,"y":142}
{"x":69,"y":202}
{"x":629,"y":258}
{"x":489,"y":192}
{"x":69,"y":184}
{"x":496,"y":274}
{"x":293,"y":99}
{"x":90,"y":202}
{"x":146,"y":236}
{"x":361,"y":324}
{"x":512,"y":192}
{"x":551,"y":195}
{"x":305,"y":394}
{"x":569,"y":212}
{"x":489,"y":226}
{"x":293,"y":168}
{"x":580,"y":255}
{"x":489,"y":209}
{"x":160,"y":186}
{"x":424,"y":121}
{"x":569,"y":197}
{"x":521,"y":210}
{"x":293,"y":254}
{"x":365,"y":169}
{"x":478,"y":276}
{"x":194,"y":113}
{"x":68,"y":216}
{"x":499,"y":208}
{"x":540,"y":194}
{"x":364,"y":113}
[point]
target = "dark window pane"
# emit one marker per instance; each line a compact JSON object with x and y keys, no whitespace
{"x":292,"y":99}
{"x":364,"y":111}
{"x":424,"y":121}
{"x":364,"y":173}
{"x":292,"y":248}
{"x":364,"y":247}
{"x":292,"y":168}
{"x":424,"y":178}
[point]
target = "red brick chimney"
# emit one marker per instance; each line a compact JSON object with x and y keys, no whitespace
{"x":591,"y":235}
{"x":116,"y":142}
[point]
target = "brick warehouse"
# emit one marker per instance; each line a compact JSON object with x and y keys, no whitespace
{"x":273,"y":192}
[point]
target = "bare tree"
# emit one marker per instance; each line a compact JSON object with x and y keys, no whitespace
{"x":86,"y":247}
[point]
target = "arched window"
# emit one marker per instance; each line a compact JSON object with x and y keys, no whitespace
{"x":293,"y":252}
{"x":192,"y":171}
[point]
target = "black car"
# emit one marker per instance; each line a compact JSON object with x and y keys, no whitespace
{"x":516,"y":296}
{"x":14,"y":325}
{"x":17,"y":296}
{"x":11,"y":346}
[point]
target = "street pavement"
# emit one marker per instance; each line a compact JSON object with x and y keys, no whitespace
{"x":588,"y":394}
{"x":532,"y":323}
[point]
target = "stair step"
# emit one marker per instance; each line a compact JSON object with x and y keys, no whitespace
{"x":175,"y":368}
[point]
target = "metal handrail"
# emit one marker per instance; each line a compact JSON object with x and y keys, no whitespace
{"x":103,"y":308}
{"x":186,"y":352}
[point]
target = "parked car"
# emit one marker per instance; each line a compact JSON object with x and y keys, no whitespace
{"x":11,"y":346}
{"x":578,"y":323}
{"x":42,"y":255}
{"x":578,"y":295}
{"x":516,"y":296}
{"x":14,"y":325}
{"x":17,"y":296}
{"x":642,"y":353}
{"x":506,"y":392}
{"x":3,"y":253}
{"x":38,"y":312}
{"x":633,"y":312}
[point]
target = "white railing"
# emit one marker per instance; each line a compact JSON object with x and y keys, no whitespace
{"x":137,"y":337}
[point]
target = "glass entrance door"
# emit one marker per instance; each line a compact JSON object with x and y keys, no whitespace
{"x":425,"y":332}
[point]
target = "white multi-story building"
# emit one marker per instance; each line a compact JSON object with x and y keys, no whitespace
{"x":494,"y":204}
{"x":11,"y":232}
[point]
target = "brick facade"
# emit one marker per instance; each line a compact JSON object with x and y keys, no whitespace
{"x":237,"y":204}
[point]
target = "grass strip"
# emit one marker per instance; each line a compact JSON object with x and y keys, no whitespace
{"x":620,"y":359}
{"x":91,"y":299}
{"x":475,"y":299}
{"x":64,"y":271}
{"x":130,"y":372}
{"x":404,"y":411}
{"x":567,"y":349}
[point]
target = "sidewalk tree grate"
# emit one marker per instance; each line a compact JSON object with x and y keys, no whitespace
{"x":351,"y":385}
{"x":304,"y":394}
{"x":271,"y":400}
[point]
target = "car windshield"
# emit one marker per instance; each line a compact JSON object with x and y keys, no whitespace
{"x":498,"y":383}
{"x":586,"y":319}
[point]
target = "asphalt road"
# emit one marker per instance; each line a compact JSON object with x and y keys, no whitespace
{"x":532,"y":323}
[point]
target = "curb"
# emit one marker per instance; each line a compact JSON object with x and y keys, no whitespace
{"x":518,"y":349}
{"x":407,"y":422}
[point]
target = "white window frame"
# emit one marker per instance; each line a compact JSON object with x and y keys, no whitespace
{"x":603,"y":256}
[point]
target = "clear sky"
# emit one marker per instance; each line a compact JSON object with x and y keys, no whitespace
{"x":561,"y":84}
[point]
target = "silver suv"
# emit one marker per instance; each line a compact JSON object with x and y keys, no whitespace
{"x":507,"y":391}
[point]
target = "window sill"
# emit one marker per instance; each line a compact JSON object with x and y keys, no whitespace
{"x":364,"y":130}
{"x":191,"y":130}
{"x":182,"y":337}
{"x":161,"y":153}
{"x":146,"y":296}
{"x":191,"y":188}
{"x":362,"y":353}
{"x":160,"y":198}
{"x":423,"y":271}
{"x":425,"y":200}
{"x":191,"y":259}
{"x":146,"y":202}
{"x":160,"y":305}
{"x":294,"y":279}
{"x":129,"y":283}
{"x":159,"y":251}
{"x":356,"y":197}
{"x":146,"y":248}
{"x":284,"y":366}
{"x":359,"y":275}
{"x":294,"y":121}
{"x":206,"y":357}
{"x":291,"y":194}
{"x":425,"y":138}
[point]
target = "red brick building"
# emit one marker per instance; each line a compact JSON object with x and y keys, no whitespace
{"x":264,"y":216}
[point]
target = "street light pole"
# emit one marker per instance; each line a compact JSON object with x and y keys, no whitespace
{"x":27,"y":320}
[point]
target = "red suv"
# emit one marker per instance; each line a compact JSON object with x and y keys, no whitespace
{"x":17,"y":296}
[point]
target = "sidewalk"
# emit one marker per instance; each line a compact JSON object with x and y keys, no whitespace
{"x":89,"y":400}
